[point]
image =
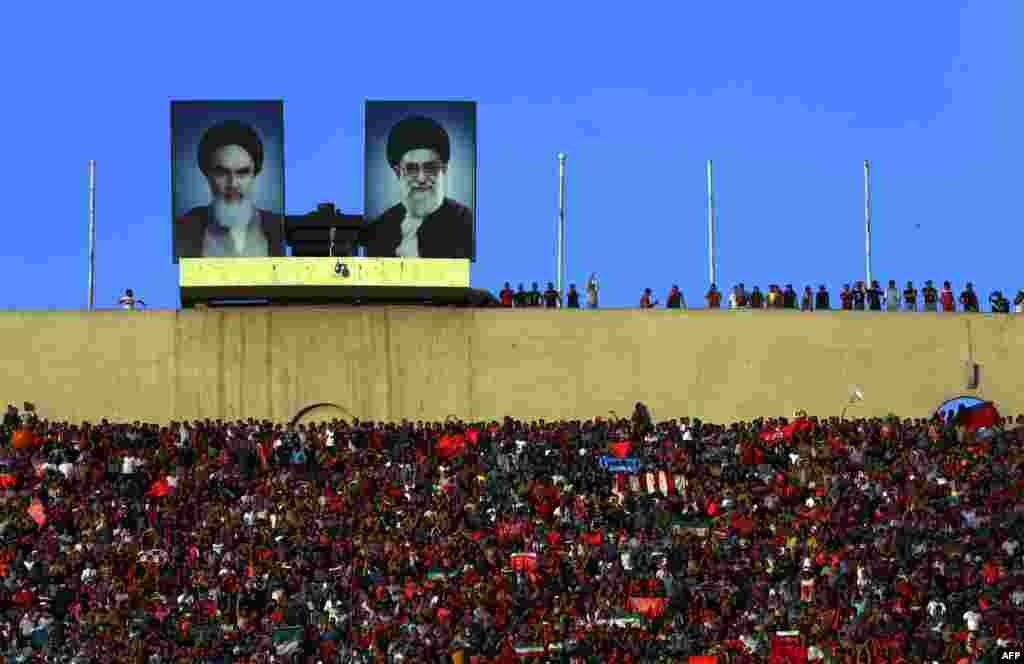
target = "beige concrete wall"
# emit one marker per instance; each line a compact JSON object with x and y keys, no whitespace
{"x":431,"y":363}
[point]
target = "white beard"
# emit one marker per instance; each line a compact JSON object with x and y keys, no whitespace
{"x":422,"y":204}
{"x":232,"y":214}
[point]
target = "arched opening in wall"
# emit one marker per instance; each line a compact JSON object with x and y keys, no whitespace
{"x":321,"y":412}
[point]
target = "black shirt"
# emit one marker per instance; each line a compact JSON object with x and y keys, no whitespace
{"x":674,"y":300}
{"x":858,"y":300}
{"x":789,"y":299}
{"x":533,"y":298}
{"x":573,"y":299}
{"x":875,"y":299}
{"x":551,"y":298}
{"x":521,"y":298}
{"x":821,"y":300}
{"x":756,"y":300}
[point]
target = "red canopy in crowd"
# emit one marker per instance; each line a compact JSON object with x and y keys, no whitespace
{"x":979,"y":416}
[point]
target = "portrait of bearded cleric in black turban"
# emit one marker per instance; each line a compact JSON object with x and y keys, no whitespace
{"x":426,"y":220}
{"x":229,"y":170}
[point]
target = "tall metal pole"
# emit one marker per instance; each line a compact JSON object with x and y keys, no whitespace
{"x":92,"y":232}
{"x":867,"y":220}
{"x":561,"y":226}
{"x":711,"y":225}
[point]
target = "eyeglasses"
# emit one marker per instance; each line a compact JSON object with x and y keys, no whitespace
{"x":431,"y":169}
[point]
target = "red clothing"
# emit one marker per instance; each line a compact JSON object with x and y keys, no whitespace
{"x":948,"y":301}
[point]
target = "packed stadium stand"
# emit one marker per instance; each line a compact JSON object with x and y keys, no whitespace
{"x":605,"y":540}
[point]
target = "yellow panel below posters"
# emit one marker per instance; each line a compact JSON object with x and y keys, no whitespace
{"x":291,"y":271}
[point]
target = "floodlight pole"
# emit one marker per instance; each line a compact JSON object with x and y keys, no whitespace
{"x":92,"y":232}
{"x":561,"y":226}
{"x":867,"y":220}
{"x":711,"y":225}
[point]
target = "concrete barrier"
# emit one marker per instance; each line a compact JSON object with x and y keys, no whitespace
{"x":422,"y":363}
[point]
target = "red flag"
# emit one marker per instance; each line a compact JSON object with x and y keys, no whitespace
{"x":651,"y":607}
{"x":37,"y":512}
{"x":160,"y":488}
{"x":787,"y":648}
{"x":743,"y":524}
{"x":798,"y":425}
{"x":524,"y":562}
{"x":473,"y":435}
{"x":976,"y":417}
{"x":8,"y":481}
{"x":620,"y":449}
{"x":450,"y":446}
{"x":22,"y":439}
{"x":593,"y":538}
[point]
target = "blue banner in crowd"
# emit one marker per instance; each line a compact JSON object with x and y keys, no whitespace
{"x":616,"y":465}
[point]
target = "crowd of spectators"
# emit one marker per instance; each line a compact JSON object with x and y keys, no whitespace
{"x":603,"y":541}
{"x":550,"y":297}
{"x":860,"y":297}
{"x":857,"y":297}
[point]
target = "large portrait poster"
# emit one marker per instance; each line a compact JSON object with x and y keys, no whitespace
{"x":227,"y":179}
{"x":420,"y":179}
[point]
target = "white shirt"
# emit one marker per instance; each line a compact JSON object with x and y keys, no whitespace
{"x":973,"y":620}
{"x":129,"y":464}
{"x":892,"y":299}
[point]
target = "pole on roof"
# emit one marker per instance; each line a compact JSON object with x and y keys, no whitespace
{"x":561,"y":226}
{"x":711,"y":224}
{"x":92,"y":232}
{"x":867,"y":220}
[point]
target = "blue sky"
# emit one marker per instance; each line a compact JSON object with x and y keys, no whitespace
{"x":787,"y":98}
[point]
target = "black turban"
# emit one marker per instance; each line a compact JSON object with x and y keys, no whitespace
{"x":227,"y":133}
{"x":417,"y":133}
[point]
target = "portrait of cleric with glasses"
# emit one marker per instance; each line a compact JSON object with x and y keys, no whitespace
{"x":425,"y":223}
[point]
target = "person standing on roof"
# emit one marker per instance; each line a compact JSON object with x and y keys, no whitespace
{"x":592,"y":288}
{"x":128,"y":301}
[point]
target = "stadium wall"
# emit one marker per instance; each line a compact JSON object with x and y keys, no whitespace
{"x":421,"y":363}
